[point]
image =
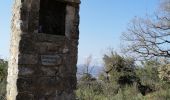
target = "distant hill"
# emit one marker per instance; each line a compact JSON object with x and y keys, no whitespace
{"x":94,"y":70}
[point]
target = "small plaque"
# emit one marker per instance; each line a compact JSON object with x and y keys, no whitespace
{"x":50,"y":59}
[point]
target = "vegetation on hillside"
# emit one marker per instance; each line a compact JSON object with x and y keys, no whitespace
{"x":3,"y":75}
{"x":146,"y":41}
{"x":122,"y":79}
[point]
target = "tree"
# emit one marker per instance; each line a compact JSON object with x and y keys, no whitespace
{"x":148,"y":72}
{"x":164,"y":5}
{"x":150,"y":37}
{"x":119,"y":69}
{"x":86,"y":73}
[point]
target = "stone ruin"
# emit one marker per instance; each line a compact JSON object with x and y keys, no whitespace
{"x":43,"y":50}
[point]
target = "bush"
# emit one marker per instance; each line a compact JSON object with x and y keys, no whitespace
{"x":164,"y":73}
{"x":3,"y":75}
{"x":2,"y":89}
{"x":89,"y":90}
{"x":107,"y":91}
{"x":139,"y":83}
{"x":162,"y":94}
{"x":111,"y":91}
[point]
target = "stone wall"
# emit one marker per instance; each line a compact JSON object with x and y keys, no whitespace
{"x":42,"y":66}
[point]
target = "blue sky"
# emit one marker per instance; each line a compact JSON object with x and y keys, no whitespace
{"x":101,"y":24}
{"x":103,"y":21}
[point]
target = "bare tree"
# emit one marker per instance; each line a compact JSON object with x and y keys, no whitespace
{"x":165,"y":6}
{"x":150,"y":37}
{"x":87,"y":69}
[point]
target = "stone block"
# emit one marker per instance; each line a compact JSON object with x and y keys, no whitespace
{"x":25,"y":96}
{"x":26,"y":70}
{"x":42,"y":37}
{"x":27,"y":46}
{"x":48,"y":83}
{"x":25,"y":84}
{"x":44,"y":47}
{"x":49,"y":71}
{"x":27,"y":59}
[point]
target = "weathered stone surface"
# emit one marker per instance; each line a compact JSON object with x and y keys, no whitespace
{"x":72,"y":1}
{"x":44,"y":47}
{"x":26,"y":70}
{"x":42,"y":66}
{"x":46,"y":83}
{"x":27,"y":59}
{"x":49,"y":71}
{"x":56,"y":95}
{"x":41,"y":37}
{"x":25,"y":96}
{"x":25,"y":84}
{"x":27,"y":46}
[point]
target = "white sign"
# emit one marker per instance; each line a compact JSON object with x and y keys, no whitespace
{"x":50,"y":59}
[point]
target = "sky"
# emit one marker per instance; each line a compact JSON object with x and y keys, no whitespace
{"x":101,"y":25}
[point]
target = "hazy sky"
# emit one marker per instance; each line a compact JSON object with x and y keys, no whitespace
{"x":101,"y":24}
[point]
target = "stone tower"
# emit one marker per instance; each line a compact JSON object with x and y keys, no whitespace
{"x":43,"y":50}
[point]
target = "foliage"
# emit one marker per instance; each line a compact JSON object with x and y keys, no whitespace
{"x":148,"y":72}
{"x":119,"y":69}
{"x":87,"y":77}
{"x":162,"y":94}
{"x":3,"y":75}
{"x":3,"y":70}
{"x":126,"y":93}
{"x":104,"y":90}
{"x":126,"y":81}
{"x":2,"y":89}
{"x":164,"y":73}
{"x":89,"y":91}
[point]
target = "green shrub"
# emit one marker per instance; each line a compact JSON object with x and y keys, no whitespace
{"x":2,"y":89}
{"x":111,"y":91}
{"x":89,"y":90}
{"x":162,"y":94}
{"x":3,"y":75}
{"x":107,"y":91}
{"x":164,"y":73}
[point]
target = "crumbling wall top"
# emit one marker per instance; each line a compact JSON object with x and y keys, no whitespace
{"x":72,"y":1}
